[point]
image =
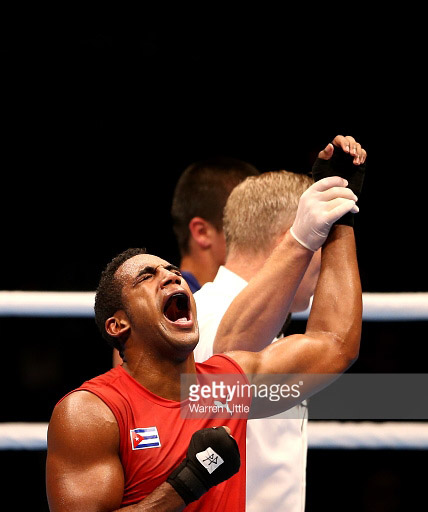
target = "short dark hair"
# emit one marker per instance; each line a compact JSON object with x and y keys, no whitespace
{"x":108,"y":296}
{"x":202,"y":191}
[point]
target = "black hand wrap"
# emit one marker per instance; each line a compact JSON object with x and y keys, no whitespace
{"x":340,"y":164}
{"x":212,"y":457}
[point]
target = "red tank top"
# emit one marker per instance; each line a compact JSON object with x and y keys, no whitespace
{"x":154,"y":436}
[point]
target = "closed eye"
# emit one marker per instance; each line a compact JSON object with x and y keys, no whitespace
{"x":144,"y":274}
{"x":147,"y":272}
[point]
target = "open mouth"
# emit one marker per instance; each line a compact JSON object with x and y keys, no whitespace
{"x":177,"y":308}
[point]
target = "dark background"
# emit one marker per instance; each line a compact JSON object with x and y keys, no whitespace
{"x":97,"y":125}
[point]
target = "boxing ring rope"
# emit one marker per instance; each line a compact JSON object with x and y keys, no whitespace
{"x":377,"y":306}
{"x":321,"y":434}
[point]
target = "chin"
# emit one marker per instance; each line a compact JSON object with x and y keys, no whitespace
{"x":185,"y":343}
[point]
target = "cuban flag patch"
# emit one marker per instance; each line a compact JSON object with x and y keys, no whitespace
{"x":142,"y":438}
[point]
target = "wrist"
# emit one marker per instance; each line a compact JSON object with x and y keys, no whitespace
{"x":346,"y":220}
{"x":186,"y":483}
{"x":297,"y":242}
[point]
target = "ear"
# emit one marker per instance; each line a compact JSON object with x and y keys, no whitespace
{"x":201,"y":231}
{"x":118,"y":324}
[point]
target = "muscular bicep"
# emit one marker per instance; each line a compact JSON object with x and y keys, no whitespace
{"x":318,"y":353}
{"x":292,"y":368}
{"x":309,"y":353}
{"x":83,"y":469}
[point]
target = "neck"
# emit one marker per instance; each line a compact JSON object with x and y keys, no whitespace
{"x":161,"y":376}
{"x":245,"y":265}
{"x":203,"y":266}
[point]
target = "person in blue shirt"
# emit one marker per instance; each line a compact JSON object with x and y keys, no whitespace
{"x":197,"y":208}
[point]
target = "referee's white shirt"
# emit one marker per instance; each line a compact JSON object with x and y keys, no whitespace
{"x":276,"y":448}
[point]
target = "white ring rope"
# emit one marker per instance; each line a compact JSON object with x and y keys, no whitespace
{"x":377,"y":306}
{"x":365,"y":434}
{"x":47,"y":304}
{"x":390,"y":307}
{"x":23,"y":436}
{"x":321,"y":434}
{"x":328,"y":434}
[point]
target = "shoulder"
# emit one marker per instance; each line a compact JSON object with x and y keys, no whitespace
{"x":80,"y":416}
{"x":214,"y":298}
{"x":82,"y":402}
{"x":223,"y":363}
{"x":247,"y":361}
{"x":212,"y":302}
{"x":83,"y":446}
{"x":191,"y":281}
{"x":204,"y":293}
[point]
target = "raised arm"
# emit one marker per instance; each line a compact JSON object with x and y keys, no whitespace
{"x":331,"y":341}
{"x":257,"y":314}
{"x":332,"y":338}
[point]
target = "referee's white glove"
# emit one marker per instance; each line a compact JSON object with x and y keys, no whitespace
{"x":320,"y":206}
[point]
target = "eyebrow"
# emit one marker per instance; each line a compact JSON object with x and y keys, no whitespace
{"x":149,"y":269}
